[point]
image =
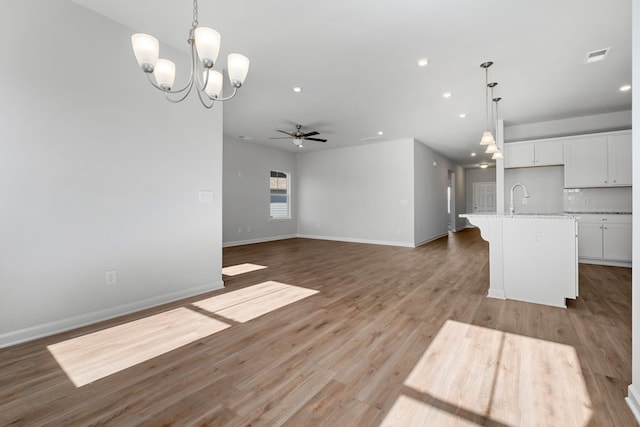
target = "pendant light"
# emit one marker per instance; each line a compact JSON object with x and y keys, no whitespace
{"x":492,"y":147}
{"x":498,"y":154}
{"x":487,"y":137}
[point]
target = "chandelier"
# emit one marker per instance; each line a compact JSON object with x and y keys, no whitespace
{"x":205,"y":46}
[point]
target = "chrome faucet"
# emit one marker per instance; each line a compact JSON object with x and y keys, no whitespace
{"x":512,"y":209}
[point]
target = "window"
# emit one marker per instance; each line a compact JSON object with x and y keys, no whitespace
{"x":279,"y":195}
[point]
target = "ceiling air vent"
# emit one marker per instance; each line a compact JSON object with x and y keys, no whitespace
{"x":596,"y":55}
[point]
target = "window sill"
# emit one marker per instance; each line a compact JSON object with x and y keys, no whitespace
{"x":279,"y":219}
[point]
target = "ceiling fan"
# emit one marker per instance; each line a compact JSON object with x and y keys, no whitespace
{"x":298,"y":136}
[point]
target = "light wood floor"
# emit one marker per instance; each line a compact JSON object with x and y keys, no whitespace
{"x":393,"y":336}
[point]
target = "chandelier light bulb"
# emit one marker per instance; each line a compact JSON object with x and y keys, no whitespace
{"x":208,"y":45}
{"x":165,"y":73}
{"x":238,"y":68}
{"x":214,"y":83}
{"x":146,"y":49}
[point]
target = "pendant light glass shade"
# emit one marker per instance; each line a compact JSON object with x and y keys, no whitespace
{"x":491,"y":148}
{"x":238,"y":68}
{"x":145,"y":48}
{"x":214,"y":84}
{"x":207,"y":45}
{"x":487,"y":138}
{"x":165,"y":73}
{"x":497,"y":155}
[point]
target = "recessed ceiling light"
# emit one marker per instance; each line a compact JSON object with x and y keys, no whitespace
{"x":423,"y":62}
{"x":297,"y":89}
{"x":625,"y":88}
{"x":446,"y":95}
{"x":596,"y":55}
{"x":380,"y":132}
{"x":473,"y":154}
{"x":462,"y":115}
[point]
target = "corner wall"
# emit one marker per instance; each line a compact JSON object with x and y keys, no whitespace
{"x":360,"y":194}
{"x":246,"y":193}
{"x":97,"y":172}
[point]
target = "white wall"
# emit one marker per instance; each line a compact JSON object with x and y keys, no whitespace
{"x":545,"y":186}
{"x":246,"y":193}
{"x":362,"y":193}
{"x":573,"y":126}
{"x":97,"y":172}
{"x":431,"y":181}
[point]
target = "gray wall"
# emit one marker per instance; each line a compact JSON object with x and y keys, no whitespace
{"x":97,"y":172}
{"x":476,"y":175}
{"x":362,"y":193}
{"x":545,"y":186}
{"x":246,"y":193}
{"x":431,"y":181}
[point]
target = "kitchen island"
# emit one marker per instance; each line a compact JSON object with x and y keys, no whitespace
{"x":532,"y":257}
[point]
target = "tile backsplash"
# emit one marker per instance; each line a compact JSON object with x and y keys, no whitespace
{"x":613,"y":199}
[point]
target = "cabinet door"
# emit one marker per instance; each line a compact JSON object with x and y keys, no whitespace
{"x":519,"y":154}
{"x":549,"y":153}
{"x":617,"y":242}
{"x":589,"y":240}
{"x":619,"y":153}
{"x":586,"y":162}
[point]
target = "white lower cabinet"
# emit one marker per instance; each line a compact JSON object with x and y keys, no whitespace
{"x":604,"y":238}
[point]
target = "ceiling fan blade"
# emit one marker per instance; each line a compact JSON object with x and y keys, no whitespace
{"x":281,"y":137}
{"x":316,"y":139}
{"x":310,"y":134}
{"x":290,"y":134}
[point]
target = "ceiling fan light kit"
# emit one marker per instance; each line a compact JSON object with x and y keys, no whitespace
{"x":205,"y":47}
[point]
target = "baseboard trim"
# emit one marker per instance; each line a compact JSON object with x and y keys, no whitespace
{"x":497,"y":294}
{"x":633,"y":400}
{"x":604,"y":262}
{"x":431,"y":239}
{"x":354,"y":240}
{"x":46,"y":329}
{"x":260,"y":240}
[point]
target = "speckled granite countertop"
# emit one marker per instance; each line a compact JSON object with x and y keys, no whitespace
{"x":522,"y":215}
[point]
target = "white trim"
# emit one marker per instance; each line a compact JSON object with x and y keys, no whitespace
{"x":51,"y":328}
{"x":604,"y":262}
{"x":496,"y":293}
{"x":354,"y":240}
{"x":633,"y":400}
{"x":260,"y":240}
{"x":424,"y":242}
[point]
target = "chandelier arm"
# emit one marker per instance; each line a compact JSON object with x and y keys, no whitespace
{"x":186,"y":90}
{"x":203,"y":101}
{"x":235,"y":90}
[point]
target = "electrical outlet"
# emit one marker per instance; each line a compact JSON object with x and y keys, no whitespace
{"x":110,"y":277}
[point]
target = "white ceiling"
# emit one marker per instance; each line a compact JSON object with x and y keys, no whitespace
{"x":356,"y":63}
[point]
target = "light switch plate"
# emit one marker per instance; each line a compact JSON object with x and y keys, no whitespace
{"x":205,"y":196}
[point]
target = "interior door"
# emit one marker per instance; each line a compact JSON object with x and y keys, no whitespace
{"x":484,"y":197}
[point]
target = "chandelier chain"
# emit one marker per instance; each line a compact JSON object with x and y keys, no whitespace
{"x":194,"y":24}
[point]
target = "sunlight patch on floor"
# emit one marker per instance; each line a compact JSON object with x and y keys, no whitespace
{"x":234,"y":270}
{"x":474,"y":374}
{"x":254,"y":301}
{"x":99,"y":354}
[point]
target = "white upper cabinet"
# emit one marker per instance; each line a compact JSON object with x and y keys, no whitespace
{"x":619,"y":152}
{"x":598,"y":161}
{"x":533,"y":153}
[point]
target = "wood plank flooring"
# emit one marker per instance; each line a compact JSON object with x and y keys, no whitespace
{"x":392,"y":337}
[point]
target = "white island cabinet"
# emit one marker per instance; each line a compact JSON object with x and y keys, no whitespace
{"x":532,"y":258}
